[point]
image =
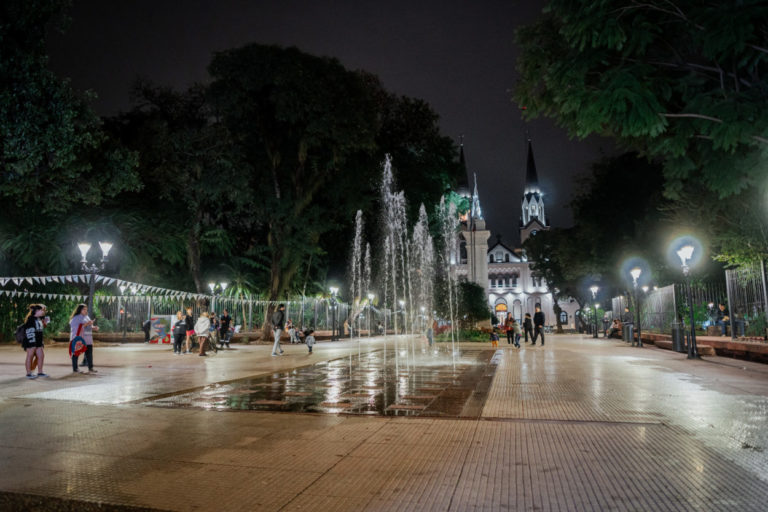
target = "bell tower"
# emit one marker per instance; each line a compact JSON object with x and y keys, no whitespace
{"x":534,"y":217}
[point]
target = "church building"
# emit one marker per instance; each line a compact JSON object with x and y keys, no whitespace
{"x":505,"y":272}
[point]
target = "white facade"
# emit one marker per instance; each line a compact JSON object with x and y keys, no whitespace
{"x":506,"y":273}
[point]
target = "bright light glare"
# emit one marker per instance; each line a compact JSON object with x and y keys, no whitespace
{"x":635,"y":273}
{"x":105,"y":248}
{"x":84,"y":248}
{"x":212,"y":286}
{"x":594,"y":289}
{"x":334,"y":290}
{"x":223,"y":286}
{"x":685,"y":253}
{"x":645,"y":288}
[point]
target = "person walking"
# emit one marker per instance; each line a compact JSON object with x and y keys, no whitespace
{"x":224,"y":323}
{"x":189,"y":321}
{"x":34,"y":323}
{"x":202,"y":331}
{"x":80,"y":324}
{"x":508,"y":327}
{"x":309,"y":339}
{"x":528,"y":326}
{"x":278,"y":323}
{"x":179,"y":332}
{"x":518,"y":332}
{"x":538,"y":325}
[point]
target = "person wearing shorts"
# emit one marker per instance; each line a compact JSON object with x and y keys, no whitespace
{"x":190,"y":323}
{"x":34,"y":323}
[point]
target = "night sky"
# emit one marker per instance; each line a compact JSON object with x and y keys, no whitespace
{"x":458,"y":56}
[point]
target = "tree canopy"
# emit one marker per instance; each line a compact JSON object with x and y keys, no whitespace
{"x":53,"y":152}
{"x":683,"y":81}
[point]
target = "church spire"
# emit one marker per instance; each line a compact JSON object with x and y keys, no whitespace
{"x":463,"y":182}
{"x":477,"y":212}
{"x":531,"y":177}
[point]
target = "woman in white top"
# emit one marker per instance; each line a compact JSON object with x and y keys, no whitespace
{"x":201,"y":331}
{"x":80,"y":324}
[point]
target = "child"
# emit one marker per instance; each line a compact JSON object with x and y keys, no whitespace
{"x":494,"y":339}
{"x":518,"y":332}
{"x":309,"y":339}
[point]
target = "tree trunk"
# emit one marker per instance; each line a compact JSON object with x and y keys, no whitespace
{"x":193,"y":256}
{"x":557,"y":309}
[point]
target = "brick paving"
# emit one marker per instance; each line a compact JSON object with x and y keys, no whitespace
{"x":579,"y":424}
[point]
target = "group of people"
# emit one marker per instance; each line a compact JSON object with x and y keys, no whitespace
{"x":80,"y":325}
{"x":533,"y":326}
{"x":208,"y":328}
{"x":280,"y":324}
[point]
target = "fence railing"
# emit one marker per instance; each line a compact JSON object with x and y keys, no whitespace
{"x":743,"y":292}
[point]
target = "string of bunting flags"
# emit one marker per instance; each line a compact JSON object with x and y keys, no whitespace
{"x":19,"y":281}
{"x":136,"y":289}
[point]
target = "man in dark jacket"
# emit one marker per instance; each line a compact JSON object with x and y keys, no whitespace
{"x":723,"y":319}
{"x":278,"y":323}
{"x":528,"y":326}
{"x":538,"y":325}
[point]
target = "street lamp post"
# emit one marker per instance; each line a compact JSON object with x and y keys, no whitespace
{"x":370,"y":311}
{"x":402,"y":310}
{"x":594,"y":289}
{"x":216,"y":290}
{"x":635,"y":273}
{"x":334,"y":332}
{"x":93,"y":269}
{"x":686,"y":253}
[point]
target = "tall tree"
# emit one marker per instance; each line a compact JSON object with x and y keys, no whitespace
{"x":53,"y":153}
{"x":685,"y":81}
{"x":188,"y":169}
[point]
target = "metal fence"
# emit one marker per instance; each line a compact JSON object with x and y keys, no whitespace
{"x":743,"y":292}
{"x":657,"y":312}
{"x":130,"y":312}
{"x":746,"y":291}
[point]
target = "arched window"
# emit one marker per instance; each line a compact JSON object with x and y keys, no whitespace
{"x":534,"y":210}
{"x":563,"y":317}
{"x":490,"y":258}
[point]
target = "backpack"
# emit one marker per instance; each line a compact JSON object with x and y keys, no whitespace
{"x":20,"y":334}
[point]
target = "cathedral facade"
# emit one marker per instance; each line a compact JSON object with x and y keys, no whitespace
{"x":504,"y":272}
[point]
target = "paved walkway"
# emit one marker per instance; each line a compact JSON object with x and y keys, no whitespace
{"x":578,"y":424}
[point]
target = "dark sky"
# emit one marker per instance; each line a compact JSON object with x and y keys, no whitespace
{"x":458,"y":56}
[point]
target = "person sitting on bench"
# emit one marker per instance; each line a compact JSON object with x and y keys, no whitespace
{"x":723,"y":320}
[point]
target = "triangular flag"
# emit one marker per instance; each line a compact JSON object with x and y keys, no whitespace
{"x":68,"y":278}
{"x":16,"y":281}
{"x":99,"y":279}
{"x":3,"y":281}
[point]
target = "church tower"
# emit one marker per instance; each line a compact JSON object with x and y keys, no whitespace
{"x":534,"y":218}
{"x":475,"y":237}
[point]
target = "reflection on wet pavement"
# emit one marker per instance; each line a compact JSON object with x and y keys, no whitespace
{"x":405,"y":381}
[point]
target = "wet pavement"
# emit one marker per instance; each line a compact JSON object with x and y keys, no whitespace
{"x":579,"y":424}
{"x":403,"y":381}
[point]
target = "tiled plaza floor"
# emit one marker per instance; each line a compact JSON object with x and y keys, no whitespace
{"x":578,"y":424}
